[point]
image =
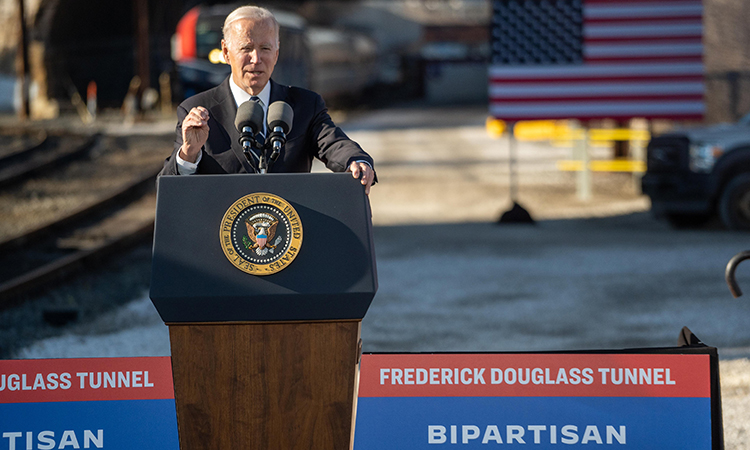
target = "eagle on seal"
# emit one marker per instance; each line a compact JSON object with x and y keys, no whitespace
{"x":261,"y":228}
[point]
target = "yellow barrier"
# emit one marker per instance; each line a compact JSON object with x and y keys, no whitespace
{"x":495,"y":127}
{"x":618,"y":134}
{"x":560,"y":131}
{"x":546,"y":130}
{"x":617,"y":165}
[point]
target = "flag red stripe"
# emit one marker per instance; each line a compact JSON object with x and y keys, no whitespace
{"x":545,"y":100}
{"x":562,"y":81}
{"x":686,"y":39}
{"x":680,"y":58}
{"x":626,"y":19}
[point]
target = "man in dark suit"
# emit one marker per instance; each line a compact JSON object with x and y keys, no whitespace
{"x":206,"y":139}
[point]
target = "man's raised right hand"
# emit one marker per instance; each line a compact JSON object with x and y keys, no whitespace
{"x":194,"y":133}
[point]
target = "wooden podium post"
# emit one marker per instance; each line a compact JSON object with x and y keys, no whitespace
{"x":264,"y":362}
{"x":265,"y":386}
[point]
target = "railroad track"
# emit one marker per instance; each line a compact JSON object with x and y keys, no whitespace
{"x":100,"y":191}
{"x":48,"y":153}
{"x":15,"y":143}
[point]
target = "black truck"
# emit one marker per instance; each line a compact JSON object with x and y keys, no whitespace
{"x":695,"y":173}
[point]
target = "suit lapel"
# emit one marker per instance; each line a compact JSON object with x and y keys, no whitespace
{"x":278,"y":93}
{"x":224,"y":112}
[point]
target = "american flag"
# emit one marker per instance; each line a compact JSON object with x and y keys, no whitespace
{"x":590,"y":59}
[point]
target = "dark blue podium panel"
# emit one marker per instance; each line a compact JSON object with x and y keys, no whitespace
{"x":333,"y":276}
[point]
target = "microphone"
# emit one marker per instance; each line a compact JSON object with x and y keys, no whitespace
{"x":249,"y":122}
{"x":280,"y":118}
{"x":249,"y":119}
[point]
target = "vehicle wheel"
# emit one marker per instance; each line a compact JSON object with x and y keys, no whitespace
{"x":687,"y":221}
{"x":734,"y":204}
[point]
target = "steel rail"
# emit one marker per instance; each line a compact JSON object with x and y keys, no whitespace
{"x":7,"y":159}
{"x":12,"y":291}
{"x":138,"y":184}
{"x":21,"y":171}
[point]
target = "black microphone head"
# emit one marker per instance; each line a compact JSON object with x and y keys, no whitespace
{"x":249,"y":114}
{"x":280,"y":114}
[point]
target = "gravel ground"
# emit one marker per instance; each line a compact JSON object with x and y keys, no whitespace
{"x":113,"y":163}
{"x":99,"y":291}
{"x":597,"y":274}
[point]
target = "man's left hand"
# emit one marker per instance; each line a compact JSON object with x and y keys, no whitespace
{"x":364,"y":173}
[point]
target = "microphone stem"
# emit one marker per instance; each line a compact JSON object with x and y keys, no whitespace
{"x":263,"y":165}
{"x":263,"y":162}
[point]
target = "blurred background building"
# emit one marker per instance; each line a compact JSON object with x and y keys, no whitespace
{"x":435,"y":50}
{"x":414,"y":48}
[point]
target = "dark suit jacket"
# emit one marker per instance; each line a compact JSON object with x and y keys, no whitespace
{"x":313,"y":134}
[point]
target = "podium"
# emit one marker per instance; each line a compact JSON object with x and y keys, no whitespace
{"x":263,"y":281}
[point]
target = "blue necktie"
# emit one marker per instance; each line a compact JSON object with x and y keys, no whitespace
{"x":255,"y":98}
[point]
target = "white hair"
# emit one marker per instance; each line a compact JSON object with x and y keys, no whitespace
{"x":255,"y":13}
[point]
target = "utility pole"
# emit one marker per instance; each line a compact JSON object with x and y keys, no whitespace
{"x":142,"y":45}
{"x":22,"y":63}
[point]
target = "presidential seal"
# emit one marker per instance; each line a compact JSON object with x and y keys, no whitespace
{"x":261,"y":234}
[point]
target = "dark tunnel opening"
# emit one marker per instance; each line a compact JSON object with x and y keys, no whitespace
{"x":96,"y":41}
{"x":87,"y":40}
